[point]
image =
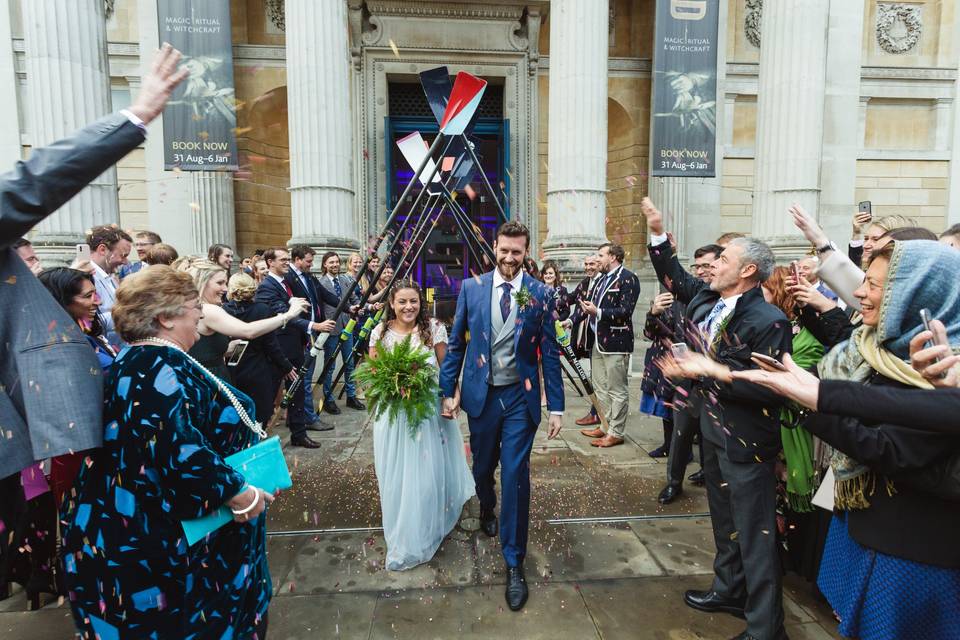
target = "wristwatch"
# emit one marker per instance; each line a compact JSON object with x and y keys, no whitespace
{"x":827,"y":247}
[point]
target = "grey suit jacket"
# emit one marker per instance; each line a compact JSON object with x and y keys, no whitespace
{"x":51,"y":400}
{"x":345,"y":282}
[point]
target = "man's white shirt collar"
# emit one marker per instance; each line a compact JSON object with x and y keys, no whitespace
{"x":275,"y":277}
{"x":515,"y":284}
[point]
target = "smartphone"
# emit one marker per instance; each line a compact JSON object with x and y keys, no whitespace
{"x":237,"y":353}
{"x":867,"y":208}
{"x":796,"y":271}
{"x":679,"y":350}
{"x":926,"y":317}
{"x":769,"y":360}
{"x":83,"y":252}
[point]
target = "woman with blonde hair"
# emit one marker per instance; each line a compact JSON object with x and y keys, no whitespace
{"x":169,"y":425}
{"x":262,"y":366}
{"x":217,"y":327}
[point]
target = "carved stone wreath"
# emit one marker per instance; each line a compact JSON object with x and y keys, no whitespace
{"x":899,"y":27}
{"x":110,"y":7}
{"x":277,"y":13}
{"x":751,"y":21}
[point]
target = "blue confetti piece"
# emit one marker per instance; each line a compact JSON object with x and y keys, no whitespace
{"x":186,"y":451}
{"x":166,"y":381}
{"x":123,"y":386}
{"x":229,"y":416}
{"x":103,"y":629}
{"x":124,"y":502}
{"x":150,"y":598}
{"x":83,"y":516}
{"x":110,"y":433}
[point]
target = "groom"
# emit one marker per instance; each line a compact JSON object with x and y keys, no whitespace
{"x":502,"y":319}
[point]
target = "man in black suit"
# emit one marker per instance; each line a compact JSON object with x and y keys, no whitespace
{"x":578,"y":331}
{"x":740,"y":423}
{"x":306,"y":285}
{"x":275,"y":291}
{"x":608,"y":314}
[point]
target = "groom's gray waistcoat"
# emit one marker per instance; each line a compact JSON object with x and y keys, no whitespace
{"x":503,"y":358}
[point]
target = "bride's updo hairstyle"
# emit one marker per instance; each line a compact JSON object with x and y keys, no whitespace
{"x":423,"y":319}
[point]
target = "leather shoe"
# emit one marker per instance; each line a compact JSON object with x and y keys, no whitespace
{"x":606,"y":441}
{"x":713,"y":602}
{"x":592,"y":433}
{"x":697,"y":478}
{"x":488,"y":523}
{"x":781,"y":635}
{"x":319,"y":425}
{"x":660,"y":452}
{"x":516,"y":588}
{"x":331,"y":407}
{"x":588,"y":420}
{"x":353,"y":403}
{"x":304,"y":441}
{"x":670,"y":493}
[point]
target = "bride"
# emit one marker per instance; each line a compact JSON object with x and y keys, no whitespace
{"x":424,"y":479}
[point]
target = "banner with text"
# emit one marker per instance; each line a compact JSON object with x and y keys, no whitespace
{"x":200,"y":121}
{"x":684,"y":123}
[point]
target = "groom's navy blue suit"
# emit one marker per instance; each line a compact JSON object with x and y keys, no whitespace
{"x":503,"y":418}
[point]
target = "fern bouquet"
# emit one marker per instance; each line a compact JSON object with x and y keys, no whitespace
{"x":400,"y":379}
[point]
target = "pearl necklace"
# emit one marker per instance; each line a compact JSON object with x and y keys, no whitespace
{"x":256,"y":427}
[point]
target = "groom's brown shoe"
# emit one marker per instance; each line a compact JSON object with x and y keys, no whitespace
{"x":607,"y":441}
{"x":592,"y":433}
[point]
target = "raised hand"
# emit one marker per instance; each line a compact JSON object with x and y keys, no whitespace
{"x":808,"y":226}
{"x":661,"y":303}
{"x":860,"y":219}
{"x":936,"y":363}
{"x":794,"y":383}
{"x":807,"y":294}
{"x":653,"y":216}
{"x":157,"y":86}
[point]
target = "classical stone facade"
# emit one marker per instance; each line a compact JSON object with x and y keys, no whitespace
{"x":572,"y":77}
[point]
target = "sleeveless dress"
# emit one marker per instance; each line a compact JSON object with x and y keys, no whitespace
{"x":424,"y":481}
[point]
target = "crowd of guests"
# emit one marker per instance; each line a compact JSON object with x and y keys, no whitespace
{"x":822,"y":398}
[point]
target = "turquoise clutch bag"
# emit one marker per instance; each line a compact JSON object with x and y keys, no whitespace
{"x":263,"y":466}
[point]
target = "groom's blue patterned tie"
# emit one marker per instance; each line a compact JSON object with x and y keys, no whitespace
{"x":505,"y":300}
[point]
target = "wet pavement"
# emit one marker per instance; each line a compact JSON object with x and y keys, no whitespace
{"x":605,"y":560}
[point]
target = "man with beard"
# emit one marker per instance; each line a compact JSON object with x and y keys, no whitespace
{"x":740,"y":424}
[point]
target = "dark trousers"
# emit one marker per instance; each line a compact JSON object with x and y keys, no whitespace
{"x":742,"y":499}
{"x":503,"y":433}
{"x":686,"y":426}
{"x":262,"y":390}
{"x":296,"y":417}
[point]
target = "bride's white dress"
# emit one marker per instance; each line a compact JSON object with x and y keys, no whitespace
{"x":424,"y":480}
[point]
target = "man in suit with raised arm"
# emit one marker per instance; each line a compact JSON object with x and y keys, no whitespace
{"x":276,"y":291}
{"x":739,"y":422}
{"x":37,"y":337}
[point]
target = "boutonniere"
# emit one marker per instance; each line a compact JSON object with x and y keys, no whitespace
{"x":523,"y":297}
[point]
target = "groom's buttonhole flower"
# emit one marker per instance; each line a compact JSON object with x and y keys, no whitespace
{"x":523,"y":297}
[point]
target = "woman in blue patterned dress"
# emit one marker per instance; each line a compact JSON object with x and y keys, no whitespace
{"x":169,"y":424}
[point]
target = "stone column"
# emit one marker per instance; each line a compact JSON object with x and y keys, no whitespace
{"x":842,"y":137}
{"x":321,"y":127}
{"x":10,"y":147}
{"x":789,"y":119}
{"x":670,"y":196}
{"x":212,"y":209}
{"x":68,"y":86}
{"x":577,"y":153}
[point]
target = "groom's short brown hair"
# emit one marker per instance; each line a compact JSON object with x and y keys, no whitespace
{"x":514,"y":229}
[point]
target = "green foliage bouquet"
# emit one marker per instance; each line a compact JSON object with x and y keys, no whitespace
{"x":399,"y":380}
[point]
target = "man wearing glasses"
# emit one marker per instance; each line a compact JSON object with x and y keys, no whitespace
{"x":143,"y":241}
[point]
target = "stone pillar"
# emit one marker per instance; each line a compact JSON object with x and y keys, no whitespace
{"x":212,"y":205}
{"x":321,"y":126}
{"x":10,"y":147}
{"x":789,"y":119}
{"x":842,"y":137}
{"x":68,"y":86}
{"x":577,"y":154}
{"x":670,"y":196}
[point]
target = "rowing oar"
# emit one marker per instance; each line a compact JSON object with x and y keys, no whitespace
{"x":563,"y":339}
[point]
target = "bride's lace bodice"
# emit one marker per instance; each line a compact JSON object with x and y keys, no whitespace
{"x":389,"y":337}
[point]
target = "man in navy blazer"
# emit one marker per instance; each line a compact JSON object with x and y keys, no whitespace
{"x":508,"y":316}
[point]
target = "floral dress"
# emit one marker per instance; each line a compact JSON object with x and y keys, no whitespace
{"x":129,"y":571}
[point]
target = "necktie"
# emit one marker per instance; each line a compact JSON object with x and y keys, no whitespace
{"x":505,"y":300}
{"x":336,"y":287}
{"x":708,"y":328}
{"x":309,"y":290}
{"x":286,"y":286}
{"x":598,"y":289}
